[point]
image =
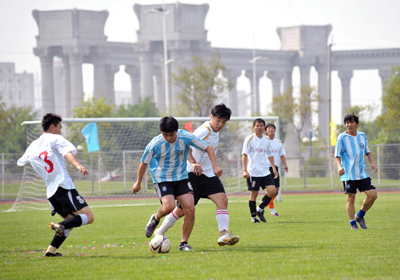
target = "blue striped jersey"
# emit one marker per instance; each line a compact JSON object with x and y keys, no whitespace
{"x":352,"y":150}
{"x":168,"y":161}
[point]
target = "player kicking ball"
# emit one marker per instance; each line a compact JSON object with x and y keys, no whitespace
{"x":205,"y":183}
{"x":47,"y":156}
{"x":167,"y":156}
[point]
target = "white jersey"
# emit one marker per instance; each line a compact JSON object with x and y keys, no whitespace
{"x":277,"y":151}
{"x":46,"y":155}
{"x":258,"y":150}
{"x":208,"y":135}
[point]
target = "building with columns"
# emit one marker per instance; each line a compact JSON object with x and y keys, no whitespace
{"x":77,"y":37}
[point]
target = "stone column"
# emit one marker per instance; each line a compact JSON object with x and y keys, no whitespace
{"x":232,"y":75}
{"x":75,"y":61}
{"x":159,"y":92}
{"x":287,"y":80}
{"x":255,"y":96}
{"x":134,"y":73}
{"x":110,"y":74}
{"x":181,"y":55}
{"x":384,"y":74}
{"x":345,"y":77}
{"x":146,"y":75}
{"x":99,"y":77}
{"x":323,"y":121}
{"x":305,"y":68}
{"x":276,"y":79}
{"x":67,"y":88}
{"x":46,"y":63}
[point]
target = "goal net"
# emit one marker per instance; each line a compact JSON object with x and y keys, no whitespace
{"x":113,"y":169}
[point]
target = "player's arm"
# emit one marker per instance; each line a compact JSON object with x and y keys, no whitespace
{"x":196,"y":167}
{"x":211,"y":154}
{"x":142,"y":169}
{"x":72,"y":159}
{"x":373,"y":166}
{"x":245,"y":173}
{"x":272,"y":162}
{"x":339,"y":166}
{"x":283,"y":159}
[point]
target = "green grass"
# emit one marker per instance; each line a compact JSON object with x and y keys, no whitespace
{"x":310,"y":240}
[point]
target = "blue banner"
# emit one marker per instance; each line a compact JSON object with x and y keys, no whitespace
{"x":90,"y":133}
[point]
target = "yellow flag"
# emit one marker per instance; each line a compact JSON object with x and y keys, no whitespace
{"x":333,"y":134}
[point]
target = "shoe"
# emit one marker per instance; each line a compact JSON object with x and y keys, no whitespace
{"x":354,"y":227}
{"x":361,"y":221}
{"x":59,"y":229}
{"x":275,"y":214}
{"x":254,"y":220}
{"x":228,"y":239}
{"x":151,"y":226}
{"x":48,"y":254}
{"x":260,"y":214}
{"x":185,"y":247}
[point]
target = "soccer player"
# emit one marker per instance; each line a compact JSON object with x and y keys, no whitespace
{"x":351,"y":147}
{"x":47,"y":156}
{"x":255,"y":155}
{"x":278,"y":152}
{"x":167,"y":155}
{"x":205,"y":183}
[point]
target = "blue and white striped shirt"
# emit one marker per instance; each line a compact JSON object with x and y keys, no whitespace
{"x":351,"y":150}
{"x":168,"y":161}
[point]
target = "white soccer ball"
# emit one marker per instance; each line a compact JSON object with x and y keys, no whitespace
{"x":160,"y":244}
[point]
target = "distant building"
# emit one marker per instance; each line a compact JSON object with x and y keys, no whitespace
{"x":16,"y":89}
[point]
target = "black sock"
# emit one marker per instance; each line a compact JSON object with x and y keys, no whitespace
{"x":265,"y":201}
{"x":75,"y":221}
{"x":57,"y":241}
{"x":183,"y":243}
{"x":252,"y":205}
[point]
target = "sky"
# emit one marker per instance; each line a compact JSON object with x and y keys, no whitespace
{"x":357,"y":24}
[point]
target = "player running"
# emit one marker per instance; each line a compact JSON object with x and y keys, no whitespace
{"x":278,"y":152}
{"x":351,"y":147}
{"x":47,"y":156}
{"x":205,"y":183}
{"x":167,"y":155}
{"x":255,"y":155}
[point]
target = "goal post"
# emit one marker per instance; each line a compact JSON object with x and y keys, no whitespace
{"x":113,"y":169}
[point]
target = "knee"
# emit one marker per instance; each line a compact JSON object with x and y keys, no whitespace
{"x":168,"y":208}
{"x":373,"y":197}
{"x":351,"y":199}
{"x":224,"y":202}
{"x":90,"y":219}
{"x":189,"y":210}
{"x":179,"y":212}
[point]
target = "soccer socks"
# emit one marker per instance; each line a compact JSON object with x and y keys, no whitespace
{"x":169,"y":222}
{"x":271,"y":203}
{"x":361,"y":214}
{"x":265,"y":201}
{"x":252,"y":205}
{"x":75,"y":221}
{"x":57,"y":241}
{"x":222,"y":217}
{"x":353,"y":223}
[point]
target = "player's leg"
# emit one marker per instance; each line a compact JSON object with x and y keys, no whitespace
{"x":253,"y":207}
{"x":268,"y":182}
{"x":368,"y":188}
{"x":57,"y":242}
{"x":351,"y":198}
{"x":187,"y":203}
{"x":167,"y":206}
{"x":170,"y":220}
{"x":271,"y":204}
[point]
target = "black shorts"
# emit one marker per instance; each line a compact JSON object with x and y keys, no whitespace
{"x":65,"y":202}
{"x":362,"y":185}
{"x":177,"y":188}
{"x":204,"y":186}
{"x":277,"y":183}
{"x":255,"y":183}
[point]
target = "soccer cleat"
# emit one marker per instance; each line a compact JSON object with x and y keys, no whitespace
{"x":151,"y":226}
{"x":354,"y":227}
{"x":185,"y":247}
{"x":361,"y":221}
{"x":59,"y":229}
{"x":260,"y":214}
{"x":228,"y":239}
{"x":254,"y":220}
{"x":48,"y":254}
{"x":275,"y":214}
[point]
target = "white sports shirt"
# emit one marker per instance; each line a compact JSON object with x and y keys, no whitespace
{"x":46,"y":155}
{"x":277,"y":151}
{"x":208,"y":135}
{"x":258,"y":150}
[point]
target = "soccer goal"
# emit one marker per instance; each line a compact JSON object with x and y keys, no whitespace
{"x":113,"y":169}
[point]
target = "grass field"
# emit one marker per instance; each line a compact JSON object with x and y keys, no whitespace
{"x":310,"y":240}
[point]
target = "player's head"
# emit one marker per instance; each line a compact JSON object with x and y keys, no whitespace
{"x":350,"y":118}
{"x":258,"y":120}
{"x":259,"y":126}
{"x":220,"y":115}
{"x":270,"y":129}
{"x":169,"y":127}
{"x":49,"y":120}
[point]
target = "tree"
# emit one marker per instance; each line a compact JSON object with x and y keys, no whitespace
{"x":201,"y":85}
{"x":145,"y":108}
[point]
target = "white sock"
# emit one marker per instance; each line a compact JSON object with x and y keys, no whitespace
{"x":169,"y":222}
{"x":66,"y":232}
{"x":84,"y":218}
{"x":273,"y":210}
{"x":222,"y":217}
{"x":259,"y":209}
{"x":52,"y":249}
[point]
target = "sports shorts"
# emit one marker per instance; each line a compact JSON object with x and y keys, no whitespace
{"x":176,"y":189}
{"x":362,"y":185}
{"x":255,"y":183}
{"x":277,"y":183}
{"x":66,"y":202}
{"x":204,"y":186}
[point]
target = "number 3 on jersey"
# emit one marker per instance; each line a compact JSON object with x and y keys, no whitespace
{"x":51,"y":167}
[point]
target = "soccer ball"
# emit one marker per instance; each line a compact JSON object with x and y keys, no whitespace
{"x":160,"y":244}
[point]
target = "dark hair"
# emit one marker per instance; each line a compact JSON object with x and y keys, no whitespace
{"x":221,"y":111}
{"x":168,"y":124}
{"x":350,"y":117}
{"x":258,"y":120}
{"x":50,"y":119}
{"x":268,"y":125}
